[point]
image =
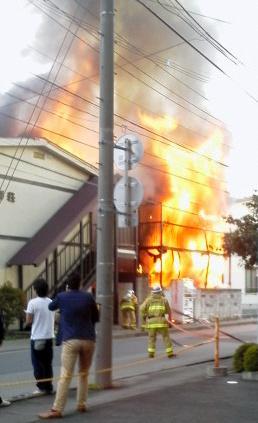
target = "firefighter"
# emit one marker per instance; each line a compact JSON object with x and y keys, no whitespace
{"x":128,"y":306}
{"x":155,"y":311}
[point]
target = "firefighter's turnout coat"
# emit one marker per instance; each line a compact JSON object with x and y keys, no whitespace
{"x":154,"y":311}
{"x":128,"y":306}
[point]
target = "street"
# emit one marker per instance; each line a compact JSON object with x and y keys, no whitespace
{"x":178,"y":395}
{"x":129,"y":356}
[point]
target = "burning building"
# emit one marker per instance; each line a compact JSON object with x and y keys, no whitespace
{"x":180,"y":226}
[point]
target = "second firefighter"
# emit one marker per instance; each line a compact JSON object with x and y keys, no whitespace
{"x":154,"y":312}
{"x":128,"y":306}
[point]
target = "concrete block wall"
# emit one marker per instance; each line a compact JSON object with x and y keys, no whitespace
{"x":224,"y":303}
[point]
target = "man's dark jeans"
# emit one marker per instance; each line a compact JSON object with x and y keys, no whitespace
{"x":42,"y":365}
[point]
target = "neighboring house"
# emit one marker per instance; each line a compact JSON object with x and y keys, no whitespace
{"x":37,"y":179}
{"x":48,"y":217}
{"x":241,"y":278}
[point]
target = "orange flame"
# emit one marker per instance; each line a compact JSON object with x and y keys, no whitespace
{"x":160,"y":123}
{"x":193,"y":201}
{"x":139,"y":269}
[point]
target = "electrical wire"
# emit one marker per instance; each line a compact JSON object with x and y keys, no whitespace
{"x":166,"y":172}
{"x":135,"y":123}
{"x":173,"y":92}
{"x":55,"y":172}
{"x":50,"y":131}
{"x":207,"y":33}
{"x":201,"y":31}
{"x":190,"y":111}
{"x":96,"y":148}
{"x":193,"y":47}
{"x":178,"y":104}
{"x":31,"y":115}
{"x":86,"y":128}
{"x":83,"y":24}
{"x":245,"y":91}
{"x":181,"y":36}
{"x":47,"y":130}
{"x":197,"y":14}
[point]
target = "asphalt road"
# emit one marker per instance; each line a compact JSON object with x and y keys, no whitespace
{"x":181,"y":395}
{"x":129,"y":356}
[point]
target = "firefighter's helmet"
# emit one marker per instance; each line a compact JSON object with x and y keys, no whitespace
{"x":156,"y":289}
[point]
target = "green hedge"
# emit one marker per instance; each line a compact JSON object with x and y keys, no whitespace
{"x":238,"y":357}
{"x":250,"y":362}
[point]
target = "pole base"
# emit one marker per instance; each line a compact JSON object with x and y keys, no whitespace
{"x":216,"y":371}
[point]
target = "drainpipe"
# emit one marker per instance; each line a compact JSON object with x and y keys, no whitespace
{"x":229,"y":270}
{"x":55,"y":268}
{"x":116,"y":273}
{"x":47,"y":270}
{"x":20,"y":286}
{"x":81,"y":251}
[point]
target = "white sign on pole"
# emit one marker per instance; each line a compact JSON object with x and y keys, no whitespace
{"x":125,"y":221}
{"x":120,"y":194}
{"x":135,"y":154}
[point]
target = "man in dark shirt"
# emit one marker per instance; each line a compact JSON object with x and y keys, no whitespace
{"x":78,"y":315}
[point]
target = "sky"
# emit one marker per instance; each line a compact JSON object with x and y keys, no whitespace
{"x":230,"y":95}
{"x":235,"y":98}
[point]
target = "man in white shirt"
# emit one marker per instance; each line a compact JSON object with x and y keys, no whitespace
{"x":42,"y":334}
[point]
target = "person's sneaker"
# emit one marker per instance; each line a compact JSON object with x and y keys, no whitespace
{"x":38,"y":392}
{"x":4,"y":403}
{"x":82,"y":408}
{"x":51,"y":414}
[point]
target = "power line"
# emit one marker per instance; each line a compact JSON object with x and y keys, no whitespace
{"x":197,"y":14}
{"x":190,"y":111}
{"x":206,"y":32}
{"x":60,"y":116}
{"x":195,"y":48}
{"x":86,"y":128}
{"x":116,"y":115}
{"x":50,"y":131}
{"x":55,"y":172}
{"x":199,"y":29}
{"x":134,"y":123}
{"x":178,"y":104}
{"x":187,"y":169}
{"x":52,"y":67}
{"x":181,"y":36}
{"x":96,"y":148}
{"x":183,"y":178}
{"x":165,"y":96}
{"x":159,"y":62}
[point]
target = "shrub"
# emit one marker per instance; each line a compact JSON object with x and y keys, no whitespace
{"x":11,"y":303}
{"x":238,"y":357}
{"x":251,"y":359}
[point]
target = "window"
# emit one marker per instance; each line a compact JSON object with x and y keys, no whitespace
{"x":251,"y":280}
{"x":39,"y":155}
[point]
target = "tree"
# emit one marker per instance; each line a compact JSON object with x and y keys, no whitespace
{"x":12,"y":303}
{"x":243,"y":241}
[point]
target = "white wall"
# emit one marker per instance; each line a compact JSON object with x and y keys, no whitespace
{"x":42,"y":183}
{"x":249,"y":301}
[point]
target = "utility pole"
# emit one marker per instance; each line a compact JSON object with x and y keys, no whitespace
{"x":105,"y":217}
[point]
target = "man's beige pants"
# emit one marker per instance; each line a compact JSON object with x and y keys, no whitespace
{"x":71,"y":350}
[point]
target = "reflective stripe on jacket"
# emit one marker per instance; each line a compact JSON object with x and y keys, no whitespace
{"x":127,"y":305}
{"x":154,"y":310}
